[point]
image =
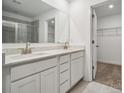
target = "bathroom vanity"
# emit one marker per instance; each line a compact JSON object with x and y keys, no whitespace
{"x":46,"y":69}
{"x":53,"y":71}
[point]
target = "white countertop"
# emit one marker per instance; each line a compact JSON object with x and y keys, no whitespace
{"x":16,"y":59}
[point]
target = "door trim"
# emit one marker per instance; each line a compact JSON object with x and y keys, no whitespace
{"x":91,"y":29}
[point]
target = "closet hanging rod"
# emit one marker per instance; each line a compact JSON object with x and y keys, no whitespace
{"x":108,"y":28}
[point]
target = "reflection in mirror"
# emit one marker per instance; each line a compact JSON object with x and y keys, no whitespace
{"x":14,"y":32}
{"x":33,"y":21}
{"x":51,"y":30}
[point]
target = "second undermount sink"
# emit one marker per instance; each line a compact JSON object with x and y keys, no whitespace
{"x":40,"y":53}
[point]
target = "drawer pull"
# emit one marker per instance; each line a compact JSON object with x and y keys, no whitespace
{"x":76,"y":58}
{"x":64,"y":62}
{"x":63,"y":82}
{"x":64,"y":71}
{"x":77,"y":54}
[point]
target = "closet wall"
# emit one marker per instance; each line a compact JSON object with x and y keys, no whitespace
{"x":109,"y":39}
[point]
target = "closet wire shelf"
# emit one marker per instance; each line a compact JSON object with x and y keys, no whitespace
{"x":114,"y":31}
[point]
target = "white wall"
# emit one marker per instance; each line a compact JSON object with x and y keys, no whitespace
{"x":80,"y":31}
{"x":109,"y":21}
{"x":109,"y":41}
{"x":62,"y":27}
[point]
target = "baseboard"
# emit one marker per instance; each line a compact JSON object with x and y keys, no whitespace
{"x":106,"y":62}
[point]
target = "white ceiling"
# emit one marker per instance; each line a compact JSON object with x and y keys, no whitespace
{"x":28,"y":8}
{"x":70,"y":1}
{"x":32,"y":8}
{"x":103,"y":10}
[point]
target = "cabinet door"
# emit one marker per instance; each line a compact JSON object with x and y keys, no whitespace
{"x":76,"y":70}
{"x":49,"y":81}
{"x":27,"y":85}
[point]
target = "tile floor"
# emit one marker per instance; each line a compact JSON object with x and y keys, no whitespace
{"x":79,"y":88}
{"x":95,"y":87}
{"x":107,"y":74}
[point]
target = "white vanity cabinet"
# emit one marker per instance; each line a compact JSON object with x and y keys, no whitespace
{"x":76,"y":67}
{"x":36,"y":77}
{"x":55,"y":74}
{"x":46,"y":82}
{"x":30,"y":84}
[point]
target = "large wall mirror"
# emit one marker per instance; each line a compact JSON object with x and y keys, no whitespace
{"x":33,"y":21}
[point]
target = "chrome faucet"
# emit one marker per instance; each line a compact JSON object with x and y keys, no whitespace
{"x":66,"y":45}
{"x":27,"y":49}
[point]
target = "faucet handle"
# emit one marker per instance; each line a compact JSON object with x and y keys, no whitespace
{"x":29,"y":49}
{"x":22,"y":50}
{"x":67,"y":42}
{"x":28,"y":43}
{"x":66,"y":45}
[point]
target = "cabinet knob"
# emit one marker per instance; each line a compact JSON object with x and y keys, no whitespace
{"x":97,"y":46}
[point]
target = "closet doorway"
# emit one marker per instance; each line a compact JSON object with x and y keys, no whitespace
{"x":106,"y":43}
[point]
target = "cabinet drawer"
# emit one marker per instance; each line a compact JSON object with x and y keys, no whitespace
{"x":64,"y":76}
{"x":64,"y":59}
{"x":64,"y":87}
{"x":22,"y":71}
{"x":64,"y":67}
{"x":77,"y":54}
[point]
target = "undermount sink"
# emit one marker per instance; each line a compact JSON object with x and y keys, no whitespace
{"x":40,"y":53}
{"x":21,"y":56}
